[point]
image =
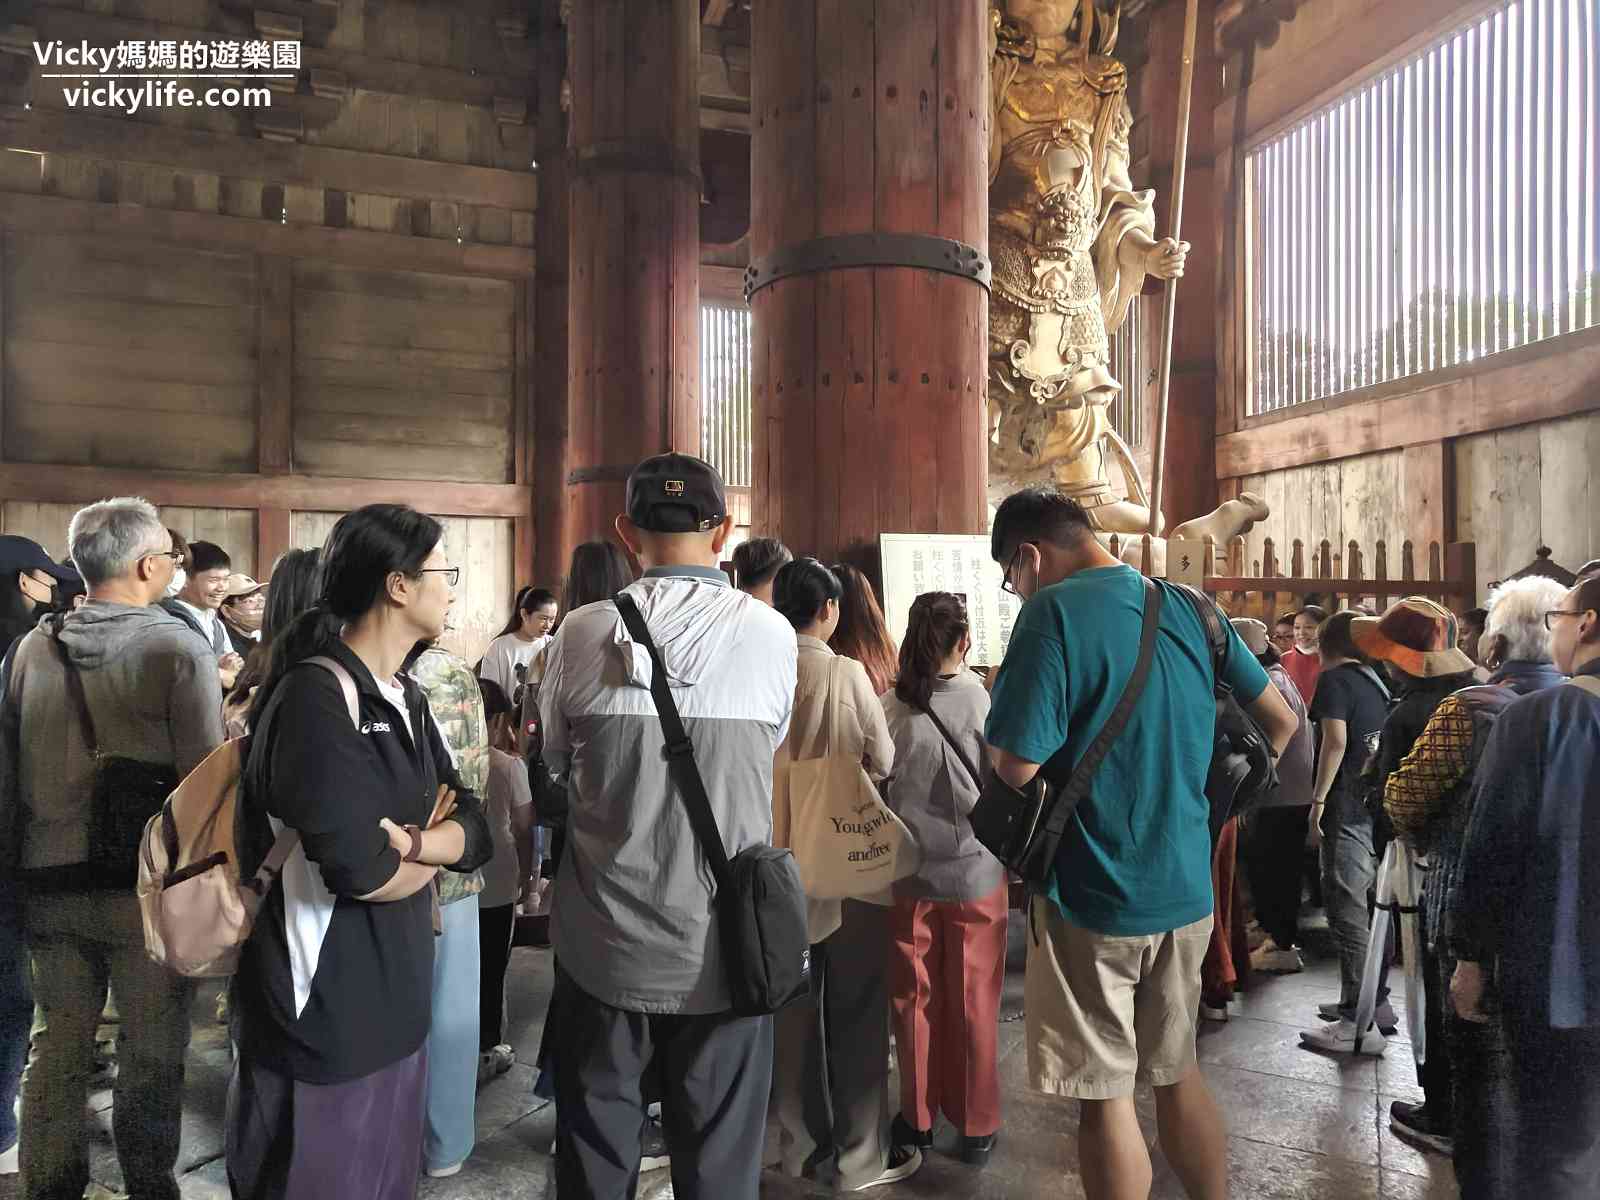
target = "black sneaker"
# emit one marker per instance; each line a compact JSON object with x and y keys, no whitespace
{"x":901,"y":1133}
{"x":904,"y":1162}
{"x":976,"y":1150}
{"x":653,"y":1147}
{"x":1414,"y":1123}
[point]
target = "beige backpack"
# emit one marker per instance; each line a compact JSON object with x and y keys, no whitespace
{"x":197,"y":912}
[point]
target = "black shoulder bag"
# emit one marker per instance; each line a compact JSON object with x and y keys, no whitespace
{"x":1244,"y":768}
{"x":1024,"y":829}
{"x":125,"y":795}
{"x":977,"y":776}
{"x":761,"y":907}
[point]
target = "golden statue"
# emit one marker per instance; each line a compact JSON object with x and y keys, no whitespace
{"x":1072,"y":243}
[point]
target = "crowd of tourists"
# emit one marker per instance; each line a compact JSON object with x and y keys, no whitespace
{"x":628,"y":752}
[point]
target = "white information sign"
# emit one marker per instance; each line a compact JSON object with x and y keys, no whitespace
{"x":1186,"y":562}
{"x":914,"y":563}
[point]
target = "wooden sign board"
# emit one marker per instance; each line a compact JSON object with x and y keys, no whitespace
{"x":914,"y":563}
{"x":1186,"y":562}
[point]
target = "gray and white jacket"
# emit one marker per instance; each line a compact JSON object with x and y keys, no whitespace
{"x":632,"y":919}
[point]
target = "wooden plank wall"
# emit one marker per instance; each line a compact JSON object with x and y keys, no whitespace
{"x":1519,"y":489}
{"x":234,"y":529}
{"x":251,"y":311}
{"x":1355,"y":498}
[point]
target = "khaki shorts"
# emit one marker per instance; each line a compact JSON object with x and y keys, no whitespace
{"x":1106,"y":1011}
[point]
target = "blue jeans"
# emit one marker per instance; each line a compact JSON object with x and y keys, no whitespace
{"x":16,"y":1012}
{"x":453,"y":1038}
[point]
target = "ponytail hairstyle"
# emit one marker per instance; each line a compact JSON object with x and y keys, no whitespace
{"x":364,"y":549}
{"x":937,"y":624}
{"x":802,"y":588}
{"x":528,"y":600}
{"x":863,"y":634}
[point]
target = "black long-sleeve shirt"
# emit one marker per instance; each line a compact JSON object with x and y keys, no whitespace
{"x":331,"y":987}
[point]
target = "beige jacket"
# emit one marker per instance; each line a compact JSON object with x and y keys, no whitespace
{"x":867,"y":735}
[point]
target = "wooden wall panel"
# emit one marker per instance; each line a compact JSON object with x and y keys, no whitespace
{"x":1360,"y":498}
{"x":231,"y":528}
{"x":121,"y":353}
{"x":480,"y":546}
{"x":1519,"y":489}
{"x":402,"y":375}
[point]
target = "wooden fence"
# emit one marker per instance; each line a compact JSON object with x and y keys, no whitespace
{"x":1336,"y":578}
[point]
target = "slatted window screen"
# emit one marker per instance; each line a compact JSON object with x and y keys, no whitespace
{"x":1445,"y":211}
{"x":725,"y":430}
{"x":1133,"y":368}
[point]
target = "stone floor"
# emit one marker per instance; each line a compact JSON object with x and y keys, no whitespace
{"x":1302,"y":1125}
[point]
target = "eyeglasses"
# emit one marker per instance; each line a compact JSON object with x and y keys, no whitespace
{"x":452,"y":575}
{"x":1006,"y":585}
{"x":176,"y":556}
{"x":1563,"y":612}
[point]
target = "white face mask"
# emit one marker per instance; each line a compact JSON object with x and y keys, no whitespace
{"x":179,"y":578}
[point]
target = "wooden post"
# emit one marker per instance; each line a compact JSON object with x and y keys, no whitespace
{"x":1297,"y":560}
{"x":272,"y":539}
{"x":634,"y":337}
{"x":869,"y":380}
{"x":552,"y":245}
{"x":1408,"y":561}
{"x":1352,"y":570}
{"x":1380,"y":572}
{"x":275,"y":355}
{"x":1461,"y":563}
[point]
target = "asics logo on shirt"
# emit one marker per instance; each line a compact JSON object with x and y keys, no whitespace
{"x":376,"y":727}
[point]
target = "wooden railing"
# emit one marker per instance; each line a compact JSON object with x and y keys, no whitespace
{"x":1336,"y":579}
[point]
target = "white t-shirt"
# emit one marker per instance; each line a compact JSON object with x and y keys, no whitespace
{"x":508,"y":790}
{"x":396,"y":696}
{"x":505,"y":655}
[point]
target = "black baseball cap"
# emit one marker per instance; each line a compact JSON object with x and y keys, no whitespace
{"x":25,"y":554}
{"x":676,"y":493}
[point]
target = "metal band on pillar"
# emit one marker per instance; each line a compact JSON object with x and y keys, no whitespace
{"x":921,"y":251}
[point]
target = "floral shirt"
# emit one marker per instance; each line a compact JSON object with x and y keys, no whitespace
{"x":457,"y":708}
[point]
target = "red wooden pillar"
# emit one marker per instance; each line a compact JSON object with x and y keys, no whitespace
{"x":870,"y":118}
{"x":634,"y":290}
{"x":552,"y":245}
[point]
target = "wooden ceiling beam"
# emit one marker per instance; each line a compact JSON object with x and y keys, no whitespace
{"x":54,"y":484}
{"x":352,"y":247}
{"x":113,"y":139}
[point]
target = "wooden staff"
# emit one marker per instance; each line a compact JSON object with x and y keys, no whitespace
{"x":1169,"y":298}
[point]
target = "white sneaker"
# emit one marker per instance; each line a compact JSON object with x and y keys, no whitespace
{"x":444,"y":1172}
{"x":1212,"y":1012}
{"x":9,"y":1164}
{"x":495,"y":1062}
{"x":904,"y":1162}
{"x":1341,"y":1038}
{"x":1271,"y":959}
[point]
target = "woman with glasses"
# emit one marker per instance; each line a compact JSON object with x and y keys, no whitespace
{"x":949,"y":918}
{"x":332,"y":1001}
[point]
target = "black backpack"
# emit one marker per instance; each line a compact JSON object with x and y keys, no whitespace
{"x":1243,"y":767}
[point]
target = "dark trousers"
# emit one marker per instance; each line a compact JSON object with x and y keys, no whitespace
{"x":714,"y":1072}
{"x":1274,"y":854}
{"x":361,"y":1140}
{"x":495,"y":927}
{"x":1556,"y":1085}
{"x":1482,"y":1128}
{"x":1436,"y":1074}
{"x":16,"y":1010}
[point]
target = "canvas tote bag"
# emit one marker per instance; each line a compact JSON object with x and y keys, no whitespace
{"x":846,"y":841}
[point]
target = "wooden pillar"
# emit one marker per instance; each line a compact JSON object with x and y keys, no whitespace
{"x":552,"y":245}
{"x":274,"y":399}
{"x":1190,"y":485}
{"x":634,"y":338}
{"x":870,"y":117}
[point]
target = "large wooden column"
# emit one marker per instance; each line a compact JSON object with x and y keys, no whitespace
{"x":870,"y":117}
{"x":634,"y":336}
{"x":552,"y":246}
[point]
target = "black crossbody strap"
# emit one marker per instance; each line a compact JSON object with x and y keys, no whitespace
{"x":954,"y":745}
{"x":680,"y":750}
{"x":75,"y":692}
{"x":1082,"y":777}
{"x":1216,"y":636}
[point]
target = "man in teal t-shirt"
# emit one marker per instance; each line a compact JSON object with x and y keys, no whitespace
{"x":1113,"y":980}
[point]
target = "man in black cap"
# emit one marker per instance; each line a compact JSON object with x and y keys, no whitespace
{"x":641,"y":979}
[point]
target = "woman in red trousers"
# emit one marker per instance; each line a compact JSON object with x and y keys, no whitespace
{"x":949,"y":919}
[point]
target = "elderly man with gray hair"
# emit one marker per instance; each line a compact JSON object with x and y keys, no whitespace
{"x":1429,"y":799}
{"x":106,"y":708}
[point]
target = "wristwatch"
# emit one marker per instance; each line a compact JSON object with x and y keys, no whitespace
{"x":416,"y":843}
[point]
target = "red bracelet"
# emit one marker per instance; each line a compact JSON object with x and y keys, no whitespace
{"x":416,"y":843}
